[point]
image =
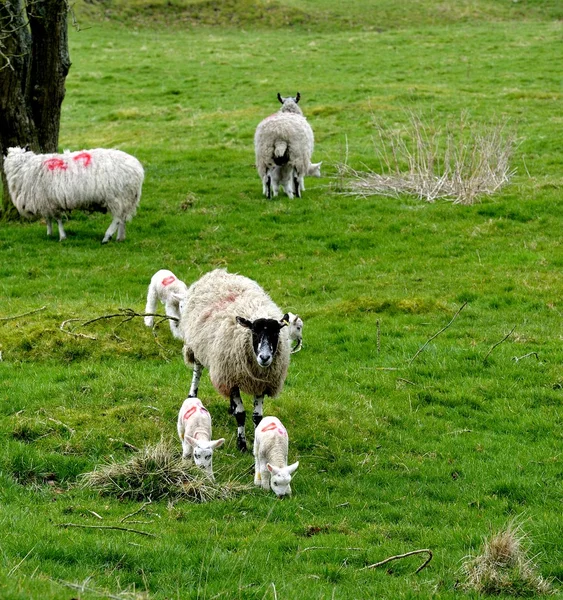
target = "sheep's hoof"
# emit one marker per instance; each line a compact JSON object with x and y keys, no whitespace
{"x":241,"y":444}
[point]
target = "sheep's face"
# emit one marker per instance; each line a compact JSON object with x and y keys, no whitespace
{"x":280,"y":479}
{"x":203,"y":453}
{"x":265,"y":338}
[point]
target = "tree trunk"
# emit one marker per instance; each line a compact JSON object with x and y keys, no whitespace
{"x":34,"y":63}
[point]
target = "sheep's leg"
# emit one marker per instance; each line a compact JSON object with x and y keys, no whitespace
{"x":187,"y":451}
{"x":62,"y":234}
{"x":196,"y":376}
{"x":151,"y":305}
{"x":268,"y":185}
{"x":296,"y":185}
{"x":121,"y":231}
{"x":111,"y":230}
{"x":49,"y":226}
{"x":240,"y":416}
{"x":171,"y":311}
{"x":258,"y":410}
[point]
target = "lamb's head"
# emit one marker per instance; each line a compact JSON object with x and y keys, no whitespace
{"x":265,"y":338}
{"x":203,"y":453}
{"x":289,"y":104}
{"x":314,"y":169}
{"x":280,"y":478}
{"x":295,"y":330}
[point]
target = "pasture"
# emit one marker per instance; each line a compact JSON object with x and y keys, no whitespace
{"x":399,"y":449}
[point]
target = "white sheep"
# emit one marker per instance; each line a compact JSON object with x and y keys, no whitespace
{"x":194,"y":430}
{"x":295,"y":331}
{"x":284,"y":144}
{"x":270,"y":457}
{"x":231,"y":326}
{"x":50,"y":185}
{"x":171,"y":291}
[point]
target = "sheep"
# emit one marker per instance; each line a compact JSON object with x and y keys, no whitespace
{"x":49,"y":185}
{"x":295,"y":331}
{"x":270,"y":457}
{"x":231,"y":326}
{"x":283,"y":143}
{"x":171,"y":291}
{"x":194,"y":430}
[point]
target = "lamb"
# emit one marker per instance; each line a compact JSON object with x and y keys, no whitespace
{"x":194,"y":429}
{"x":284,"y":144}
{"x":295,"y":331}
{"x":231,"y":326}
{"x":49,"y":185}
{"x":270,"y":457}
{"x":171,"y":291}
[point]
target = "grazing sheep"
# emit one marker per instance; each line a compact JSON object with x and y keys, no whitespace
{"x":49,"y":185}
{"x":231,"y":326}
{"x":295,"y":331}
{"x":194,"y":429}
{"x":270,"y":457}
{"x":284,"y":144}
{"x":170,"y":290}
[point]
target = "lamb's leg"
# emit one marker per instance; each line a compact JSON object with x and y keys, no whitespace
{"x":49,"y":226}
{"x":240,"y":416}
{"x":111,"y":230}
{"x":258,"y":410}
{"x":151,"y":305}
{"x":268,"y":185}
{"x":62,"y":234}
{"x":172,"y":311}
{"x":187,"y":451}
{"x":198,"y":369}
{"x":121,"y":231}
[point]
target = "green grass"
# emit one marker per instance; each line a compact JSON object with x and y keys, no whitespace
{"x":394,"y":455}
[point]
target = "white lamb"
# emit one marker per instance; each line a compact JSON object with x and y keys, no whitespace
{"x":50,"y":185}
{"x":231,"y":326}
{"x":171,"y":291}
{"x":295,"y":331}
{"x":194,"y":429}
{"x":284,"y":144}
{"x":270,"y":457}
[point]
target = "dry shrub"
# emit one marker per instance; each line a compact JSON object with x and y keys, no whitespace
{"x":157,"y":472}
{"x":458,"y":163}
{"x":503,"y":567}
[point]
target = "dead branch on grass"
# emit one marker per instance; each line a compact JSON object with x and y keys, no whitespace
{"x":518,"y":358}
{"x":398,"y":556}
{"x":25,"y":314}
{"x":106,"y":527}
{"x":499,"y":343}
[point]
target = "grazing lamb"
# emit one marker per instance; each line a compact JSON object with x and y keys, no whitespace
{"x":231,"y":326}
{"x":194,"y":429}
{"x":49,"y":185}
{"x":295,"y":331}
{"x":270,"y":457}
{"x":284,"y":144}
{"x":170,"y":290}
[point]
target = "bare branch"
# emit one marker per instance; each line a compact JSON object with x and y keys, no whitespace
{"x":136,"y":512}
{"x":499,"y":343}
{"x":106,"y":527}
{"x":31,"y":312}
{"x":398,"y":556}
{"x":517,"y":358}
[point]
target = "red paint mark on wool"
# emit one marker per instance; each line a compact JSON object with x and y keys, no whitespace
{"x":272,"y":426}
{"x":189,"y":412}
{"x":168,"y":280}
{"x":84,"y":157}
{"x":55,"y":164}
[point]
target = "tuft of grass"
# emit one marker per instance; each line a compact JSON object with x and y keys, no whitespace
{"x":156,"y":472}
{"x":455,"y":163}
{"x":503,"y":567}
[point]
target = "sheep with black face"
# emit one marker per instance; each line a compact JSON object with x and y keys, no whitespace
{"x":231,"y":326}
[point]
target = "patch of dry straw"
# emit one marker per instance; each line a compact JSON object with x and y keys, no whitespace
{"x":158,"y":472}
{"x":502,"y":567}
{"x":459,"y":163}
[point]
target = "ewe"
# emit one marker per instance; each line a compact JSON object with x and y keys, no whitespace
{"x":171,"y":291}
{"x":194,"y":429}
{"x":231,"y":326}
{"x":284,"y":144}
{"x":50,"y":185}
{"x":270,"y":457}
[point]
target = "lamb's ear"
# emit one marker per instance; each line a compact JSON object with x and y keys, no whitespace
{"x":216,"y":443}
{"x":177,"y":297}
{"x":272,"y":468}
{"x":292,"y":468}
{"x":280,"y":98}
{"x":244,"y":322}
{"x":192,"y":441}
{"x":284,"y":320}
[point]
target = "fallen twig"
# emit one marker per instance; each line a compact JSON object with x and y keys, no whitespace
{"x":79,"y":335}
{"x":499,"y":343}
{"x":31,"y":312}
{"x":438,"y":332}
{"x":326,"y":548}
{"x":107,"y":527}
{"x":398,"y":556}
{"x":517,"y":358}
{"x":134,"y":513}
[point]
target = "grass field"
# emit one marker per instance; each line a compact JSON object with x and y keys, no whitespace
{"x":398,"y":451}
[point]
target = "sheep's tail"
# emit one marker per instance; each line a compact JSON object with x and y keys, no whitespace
{"x":281,"y":152}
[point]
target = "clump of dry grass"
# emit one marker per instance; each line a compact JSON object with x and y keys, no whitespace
{"x":157,"y":472}
{"x":458,"y":163}
{"x":502,"y":567}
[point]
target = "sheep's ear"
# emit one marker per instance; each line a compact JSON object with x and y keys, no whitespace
{"x":280,"y":98}
{"x":272,"y":468}
{"x":216,"y":443}
{"x":244,"y":322}
{"x":177,"y":297}
{"x":192,"y":441}
{"x":285,"y":320}
{"x":297,"y":97}
{"x":292,"y":468}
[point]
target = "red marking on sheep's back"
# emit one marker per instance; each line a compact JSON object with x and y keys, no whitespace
{"x":220,"y":305}
{"x":168,"y":280}
{"x":281,"y":430}
{"x":84,"y":157}
{"x":189,"y":412}
{"x":55,"y":164}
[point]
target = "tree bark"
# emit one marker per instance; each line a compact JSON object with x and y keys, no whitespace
{"x":34,"y":63}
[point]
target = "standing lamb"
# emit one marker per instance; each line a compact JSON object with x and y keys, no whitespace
{"x":50,"y":185}
{"x":171,"y":291}
{"x":284,"y":144}
{"x":194,"y":429}
{"x":231,"y":326}
{"x":270,"y":457}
